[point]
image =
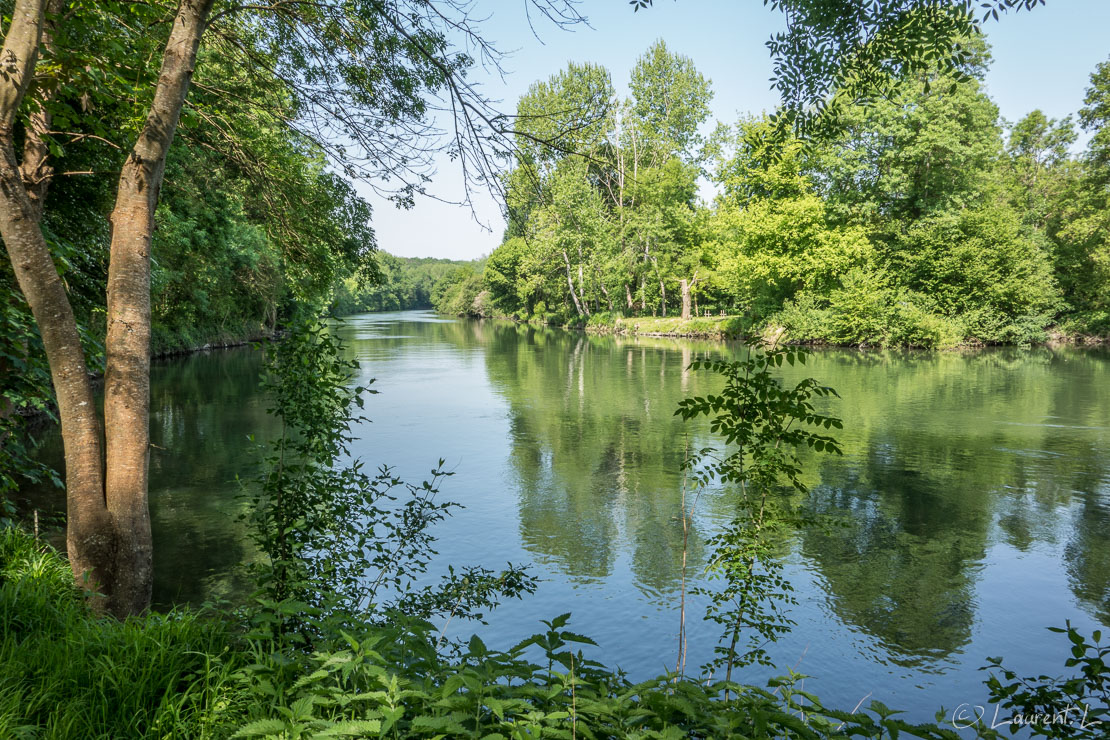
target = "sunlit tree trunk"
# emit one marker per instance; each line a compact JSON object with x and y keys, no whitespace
{"x":108,"y":523}
{"x":687,"y":288}
{"x":570,"y":285}
{"x":127,"y":369}
{"x":90,"y":530}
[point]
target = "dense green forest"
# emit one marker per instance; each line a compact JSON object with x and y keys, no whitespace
{"x":400,"y":283}
{"x":250,"y":220}
{"x":923,"y":219}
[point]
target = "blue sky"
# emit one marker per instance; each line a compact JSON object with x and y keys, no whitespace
{"x":1042,"y":59}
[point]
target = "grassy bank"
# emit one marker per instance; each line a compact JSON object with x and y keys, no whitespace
{"x":698,"y":327}
{"x":701,"y":327}
{"x":732,"y":327}
{"x":65,"y":673}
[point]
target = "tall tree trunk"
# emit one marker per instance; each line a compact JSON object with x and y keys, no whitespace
{"x":127,"y":369}
{"x":628,"y":296}
{"x":570,"y":284}
{"x":108,"y":523}
{"x":582,"y":283}
{"x":90,"y":533}
{"x":687,"y":288}
{"x":35,"y":168}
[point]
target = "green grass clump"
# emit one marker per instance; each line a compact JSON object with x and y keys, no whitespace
{"x":67,"y":673}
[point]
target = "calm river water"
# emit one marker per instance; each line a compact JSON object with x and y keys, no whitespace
{"x":972,"y":505}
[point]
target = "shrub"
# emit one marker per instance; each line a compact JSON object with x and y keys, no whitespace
{"x":868,"y":310}
{"x":981,"y":266}
{"x":804,"y":319}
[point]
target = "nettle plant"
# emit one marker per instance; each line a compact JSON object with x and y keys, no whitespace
{"x":764,"y":425}
{"x":343,"y":546}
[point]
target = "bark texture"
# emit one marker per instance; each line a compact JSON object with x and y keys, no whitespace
{"x":108,"y":528}
{"x":127,"y":369}
{"x":35,"y":168}
{"x":687,"y":287}
{"x":91,"y":533}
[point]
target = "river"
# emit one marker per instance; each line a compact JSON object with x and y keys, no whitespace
{"x":969,"y":512}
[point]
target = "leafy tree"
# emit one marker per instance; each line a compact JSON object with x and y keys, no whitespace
{"x":1040,"y":164}
{"x":358,"y":80}
{"x":568,"y":114}
{"x":506,"y":278}
{"x":461,"y":292}
{"x":670,"y":100}
{"x":923,"y":172}
{"x":764,"y":423}
{"x":570,"y":231}
{"x":1079,"y":231}
{"x":981,"y":266}
{"x":773,"y":236}
{"x":398,"y":284}
{"x":932,"y":145}
{"x":1095,"y":117}
{"x":661,"y":230}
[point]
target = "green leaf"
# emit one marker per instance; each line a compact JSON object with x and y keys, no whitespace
{"x":261,"y":728}
{"x":352,"y":728}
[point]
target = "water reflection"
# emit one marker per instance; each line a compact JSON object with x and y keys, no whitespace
{"x":596,"y":448}
{"x":204,"y":409}
{"x":946,"y":454}
{"x":972,"y":505}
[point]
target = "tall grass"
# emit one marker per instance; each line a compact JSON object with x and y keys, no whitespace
{"x":66,"y":673}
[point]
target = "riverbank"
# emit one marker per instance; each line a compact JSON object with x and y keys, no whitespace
{"x":604,"y":323}
{"x":698,"y":327}
{"x":165,"y":343}
{"x":722,"y":328}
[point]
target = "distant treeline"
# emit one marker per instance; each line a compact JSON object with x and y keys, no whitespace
{"x":922,"y":219}
{"x":401,"y":283}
